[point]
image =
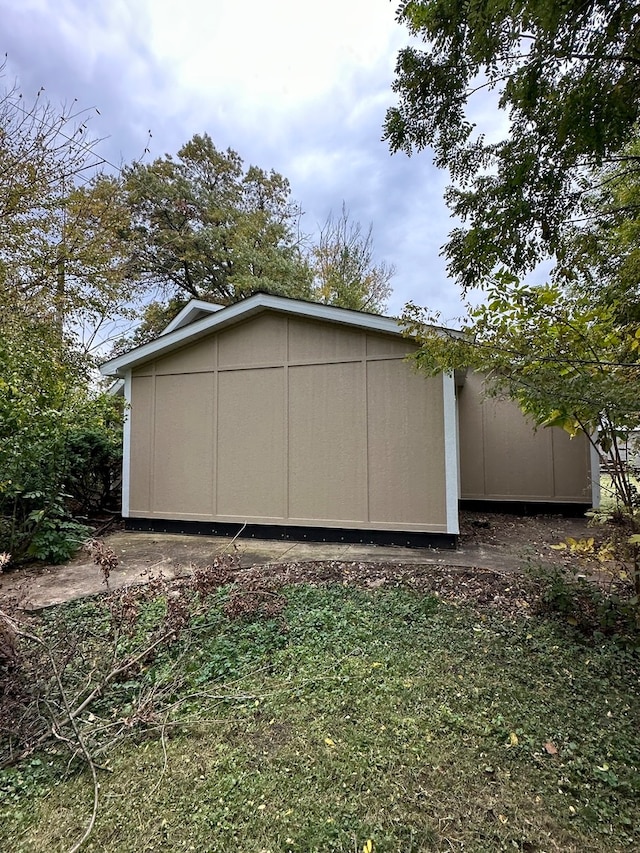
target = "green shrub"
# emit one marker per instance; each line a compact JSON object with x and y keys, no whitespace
{"x":55,"y":537}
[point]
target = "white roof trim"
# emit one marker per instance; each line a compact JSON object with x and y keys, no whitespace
{"x":189,"y":313}
{"x":177,"y":337}
{"x":116,"y":389}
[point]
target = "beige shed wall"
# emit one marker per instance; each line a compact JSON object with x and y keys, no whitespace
{"x":502,"y":457}
{"x":279,"y":420}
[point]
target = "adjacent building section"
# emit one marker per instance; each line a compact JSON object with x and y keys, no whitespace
{"x":504,"y":459}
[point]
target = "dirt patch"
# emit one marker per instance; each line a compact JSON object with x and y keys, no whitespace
{"x":514,"y":533}
{"x":510,"y":593}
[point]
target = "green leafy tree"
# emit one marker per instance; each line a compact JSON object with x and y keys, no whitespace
{"x":61,"y":278}
{"x":566,"y":360}
{"x":62,"y":221}
{"x":205,"y":227}
{"x":566,"y":77}
{"x":602,"y":254}
{"x":47,"y":419}
{"x":561,"y":185}
{"x":345,"y":271}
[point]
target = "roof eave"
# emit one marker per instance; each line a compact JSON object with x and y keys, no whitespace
{"x":171,"y":340}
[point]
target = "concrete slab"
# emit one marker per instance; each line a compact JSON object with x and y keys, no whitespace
{"x":143,"y":555}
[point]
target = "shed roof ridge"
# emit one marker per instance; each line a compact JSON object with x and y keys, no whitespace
{"x":178,"y":335}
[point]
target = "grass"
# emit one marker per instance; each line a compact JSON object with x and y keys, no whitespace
{"x":607,"y":491}
{"x":356,"y":716}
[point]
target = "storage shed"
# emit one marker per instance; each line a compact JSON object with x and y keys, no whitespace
{"x":302,"y":420}
{"x":505,"y":462}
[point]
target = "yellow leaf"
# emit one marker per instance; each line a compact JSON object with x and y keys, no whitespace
{"x":368,"y":846}
{"x":561,"y":546}
{"x":513,"y":739}
{"x":503,"y":818}
{"x":329,"y":741}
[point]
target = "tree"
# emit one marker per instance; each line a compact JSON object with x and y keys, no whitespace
{"x":565,"y":359}
{"x":602,"y":254}
{"x":204,"y":227}
{"x":52,"y":430}
{"x":344,"y":269}
{"x":61,"y":220}
{"x":60,"y":279}
{"x":561,"y":185}
{"x":567,"y":77}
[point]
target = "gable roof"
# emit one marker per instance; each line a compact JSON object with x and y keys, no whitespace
{"x":198,"y":319}
{"x":194,"y":310}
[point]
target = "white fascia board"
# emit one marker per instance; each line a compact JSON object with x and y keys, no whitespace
{"x":242,"y":310}
{"x":116,"y":389}
{"x":452,"y":481}
{"x":190,"y":313}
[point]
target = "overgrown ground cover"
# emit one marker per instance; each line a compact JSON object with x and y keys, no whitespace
{"x":343,"y":719}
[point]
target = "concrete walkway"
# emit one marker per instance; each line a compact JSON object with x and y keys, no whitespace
{"x":143,"y":555}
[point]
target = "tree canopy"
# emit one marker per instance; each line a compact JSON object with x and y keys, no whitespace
{"x":566,"y":76}
{"x":344,"y":268}
{"x":204,"y":226}
{"x":61,"y":277}
{"x":559,"y":181}
{"x":602,"y":254}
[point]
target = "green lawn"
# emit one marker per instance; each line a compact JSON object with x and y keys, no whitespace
{"x":351,"y":716}
{"x":607,"y":492}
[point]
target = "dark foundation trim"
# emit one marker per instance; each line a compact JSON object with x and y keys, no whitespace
{"x":568,"y":510}
{"x":406,"y":539}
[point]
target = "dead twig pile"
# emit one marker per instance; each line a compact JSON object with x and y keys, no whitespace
{"x":60,"y":686}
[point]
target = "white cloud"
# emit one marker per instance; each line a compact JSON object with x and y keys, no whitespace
{"x":278,"y":55}
{"x":298,"y":87}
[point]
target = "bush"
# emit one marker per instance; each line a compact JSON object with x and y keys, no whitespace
{"x":55,"y":537}
{"x":94,"y":462}
{"x":588,"y":604}
{"x":59,"y":443}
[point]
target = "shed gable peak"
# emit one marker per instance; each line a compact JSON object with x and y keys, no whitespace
{"x":200,"y":318}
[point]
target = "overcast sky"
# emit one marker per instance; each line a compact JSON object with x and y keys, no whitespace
{"x":300,"y":88}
